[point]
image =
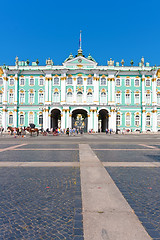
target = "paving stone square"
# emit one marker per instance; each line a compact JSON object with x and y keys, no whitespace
{"x":40,"y":203}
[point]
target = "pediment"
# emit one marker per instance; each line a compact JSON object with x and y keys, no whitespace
{"x":80,"y":62}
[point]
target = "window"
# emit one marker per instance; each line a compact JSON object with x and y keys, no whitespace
{"x":137,"y":120}
{"x":136,"y":82}
{"x":1,"y":98}
{"x":40,"y":119}
{"x":158,"y":120}
{"x":56,"y":81}
{"x":118,"y":98}
{"x":103,"y":81}
{"x":11,"y":81}
{"x":148,"y":120}
{"x":41,"y":97}
{"x":158,"y":98}
{"x":148,"y":98}
{"x":79,"y":80}
{"x":21,"y":119}
{"x":31,"y":83}
{"x":147,"y":82}
{"x":128,"y":98}
{"x":79,"y":97}
{"x":10,"y":119}
{"x":22,"y":81}
{"x":22,"y":99}
{"x":69,"y":80}
{"x":69,"y":97}
{"x":31,"y":98}
{"x":31,"y":118}
{"x":1,"y":81}
{"x":11,"y":98}
{"x":103,"y":97}
{"x":89,"y":81}
{"x":136,"y":98}
{"x":89,"y":97}
{"x":118,"y":82}
{"x":128,"y":120}
{"x":118,"y":120}
{"x":56,"y":97}
{"x":41,"y":81}
{"x":158,"y":82}
{"x":127,"y":82}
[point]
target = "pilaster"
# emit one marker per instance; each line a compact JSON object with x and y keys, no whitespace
{"x":143,"y":119}
{"x":154,"y":112}
{"x":63,"y":88}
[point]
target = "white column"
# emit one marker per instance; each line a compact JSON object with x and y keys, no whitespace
{"x":109,"y":92}
{"x":63,"y":119}
{"x":46,"y":89}
{"x":49,"y":121}
{"x":50,"y":90}
{"x":74,"y":89}
{"x":96,"y":88}
{"x":15,"y":117}
{"x":67,"y":120}
{"x":70,"y":121}
{"x":143,"y":120}
{"x":95,"y":121}
{"x":85,"y":92}
{"x":4,"y":118}
{"x":47,"y":117}
{"x":143,"y":89}
{"x":113,"y":90}
{"x":109,"y":121}
{"x":89,"y":122}
{"x":154,"y":129}
{"x":5,"y":79}
{"x":114,"y":120}
{"x":44,"y":119}
{"x":16,"y":89}
{"x":63,"y":88}
{"x":154,"y":95}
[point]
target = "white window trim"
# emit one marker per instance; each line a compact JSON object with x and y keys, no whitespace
{"x":33,"y":98}
{"x":126,"y":120}
{"x":20,"y":97}
{"x":135,"y":82}
{"x":126,"y":98}
{"x":120,"y":98}
{"x":30,"y":82}
{"x":39,"y":81}
{"x":129,"y":82}
{"x":10,"y":82}
{"x":39,"y":97}
{"x":120,"y":82}
{"x":20,"y":82}
{"x":2,"y":81}
{"x":149,"y":81}
{"x":135,"y":98}
{"x":120,"y":120}
{"x":24,"y":119}
{"x":101,"y":83}
{"x":56,"y":83}
{"x":29,"y":115}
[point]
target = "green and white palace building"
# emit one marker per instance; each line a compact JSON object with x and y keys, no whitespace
{"x":80,"y":93}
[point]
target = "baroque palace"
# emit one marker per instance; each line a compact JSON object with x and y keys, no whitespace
{"x":80,"y":94}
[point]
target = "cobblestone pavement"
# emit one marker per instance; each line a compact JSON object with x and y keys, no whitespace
{"x":50,"y":146}
{"x":117,"y":146}
{"x":40,"y":203}
{"x":39,"y":156}
{"x":140,"y":187}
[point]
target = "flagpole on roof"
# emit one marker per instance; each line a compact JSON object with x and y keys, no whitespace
{"x":80,"y":41}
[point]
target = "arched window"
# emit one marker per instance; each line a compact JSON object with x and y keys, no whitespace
{"x":22,"y":81}
{"x":69,"y":80}
{"x":31,"y":118}
{"x":69,"y":97}
{"x":148,"y":82}
{"x":148,"y":120}
{"x":128,"y":119}
{"x":22,"y":97}
{"x":158,"y":82}
{"x":118,"y":98}
{"x":10,"y":119}
{"x":79,"y":80}
{"x":41,"y":119}
{"x":136,"y":82}
{"x":158,"y":98}
{"x":41,"y":82}
{"x":158,"y":120}
{"x":137,"y":120}
{"x":148,"y":98}
{"x":56,"y":81}
{"x":118,"y":120}
{"x":136,"y":98}
{"x":21,"y":119}
{"x":89,"y":97}
{"x":31,"y":97}
{"x":11,"y":81}
{"x":56,"y":97}
{"x":1,"y":81}
{"x":89,"y":81}
{"x":41,"y":97}
{"x":128,"y":98}
{"x":11,"y":98}
{"x":31,"y":81}
{"x":1,"y":98}
{"x":103,"y":97}
{"x":103,"y":81}
{"x":127,"y":82}
{"x":79,"y":97}
{"x":118,"y":82}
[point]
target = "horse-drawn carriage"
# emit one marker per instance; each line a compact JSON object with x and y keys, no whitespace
{"x":31,"y":129}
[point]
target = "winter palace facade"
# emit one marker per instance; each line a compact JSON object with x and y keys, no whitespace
{"x":80,"y":94}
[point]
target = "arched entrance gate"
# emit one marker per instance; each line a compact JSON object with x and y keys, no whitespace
{"x":103,"y":120}
{"x":55,"y":118}
{"x":80,"y":119}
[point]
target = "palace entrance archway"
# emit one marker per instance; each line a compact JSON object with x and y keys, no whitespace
{"x":55,"y":118}
{"x":103,"y":120}
{"x":80,"y":119}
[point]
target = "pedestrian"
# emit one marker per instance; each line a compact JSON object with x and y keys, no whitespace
{"x":110,"y":131}
{"x":106,"y":130}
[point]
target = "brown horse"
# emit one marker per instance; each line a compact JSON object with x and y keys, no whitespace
{"x":12,"y":129}
{"x":33,"y":130}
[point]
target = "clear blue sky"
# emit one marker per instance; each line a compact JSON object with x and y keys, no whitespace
{"x":110,"y":29}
